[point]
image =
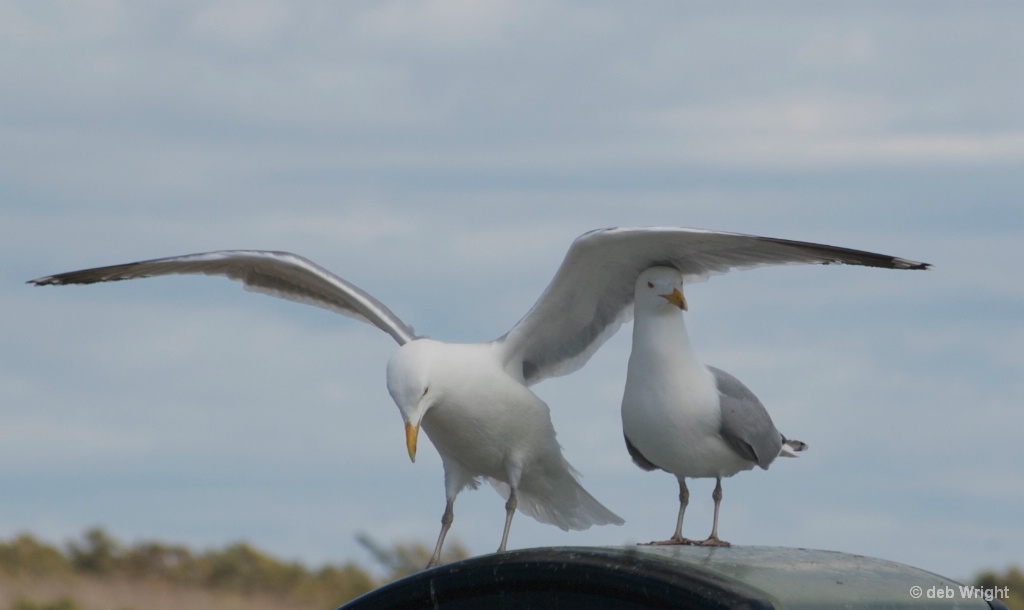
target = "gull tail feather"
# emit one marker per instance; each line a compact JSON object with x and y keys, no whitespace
{"x":791,"y":446}
{"x":558,"y":499}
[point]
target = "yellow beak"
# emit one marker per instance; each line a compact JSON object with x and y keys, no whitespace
{"x":411,"y":434}
{"x":676,"y":298}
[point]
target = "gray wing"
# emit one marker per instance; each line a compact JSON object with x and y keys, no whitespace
{"x":279,"y":274}
{"x":591,"y":294}
{"x":746,"y":425}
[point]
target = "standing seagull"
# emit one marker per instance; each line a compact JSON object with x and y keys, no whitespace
{"x":473,"y":400}
{"x":683,"y":417}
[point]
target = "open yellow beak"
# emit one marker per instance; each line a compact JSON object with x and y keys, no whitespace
{"x":676,"y":298}
{"x":411,"y":434}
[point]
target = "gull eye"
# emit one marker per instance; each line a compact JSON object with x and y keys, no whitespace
{"x":650,"y":284}
{"x":425,"y":390}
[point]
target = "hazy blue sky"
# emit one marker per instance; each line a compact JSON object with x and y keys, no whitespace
{"x":442,"y":155}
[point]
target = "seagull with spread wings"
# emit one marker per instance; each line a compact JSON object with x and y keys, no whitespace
{"x":473,"y":400}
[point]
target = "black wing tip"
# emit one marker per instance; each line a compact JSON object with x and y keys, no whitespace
{"x":95,"y":275}
{"x":794,"y":444}
{"x":50,"y":280}
{"x":839,"y":255}
{"x":73,"y":277}
{"x":913,"y":265}
{"x":885,"y":262}
{"x":904,"y":264}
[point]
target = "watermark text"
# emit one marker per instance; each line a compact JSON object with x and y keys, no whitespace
{"x":960,"y":592}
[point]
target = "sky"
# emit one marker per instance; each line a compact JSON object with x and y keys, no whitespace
{"x":442,"y":155}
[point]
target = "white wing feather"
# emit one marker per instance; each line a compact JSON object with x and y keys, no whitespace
{"x":279,"y":274}
{"x":591,"y":295}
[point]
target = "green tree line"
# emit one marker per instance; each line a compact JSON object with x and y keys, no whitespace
{"x":1012,"y":581}
{"x":238,"y":568}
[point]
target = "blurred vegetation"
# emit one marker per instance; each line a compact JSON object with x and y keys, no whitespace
{"x":60,"y":604}
{"x":238,"y":572}
{"x":1012,"y":579}
{"x":402,"y":560}
{"x":86,"y":573}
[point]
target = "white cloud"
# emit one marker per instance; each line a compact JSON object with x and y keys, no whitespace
{"x":241,"y":23}
{"x":839,"y":45}
{"x":775,"y":117}
{"x":808,"y":131}
{"x":435,"y":25}
{"x":34,"y":24}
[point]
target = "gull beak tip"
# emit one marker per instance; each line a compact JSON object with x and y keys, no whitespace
{"x":676,"y":298}
{"x":411,"y":435}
